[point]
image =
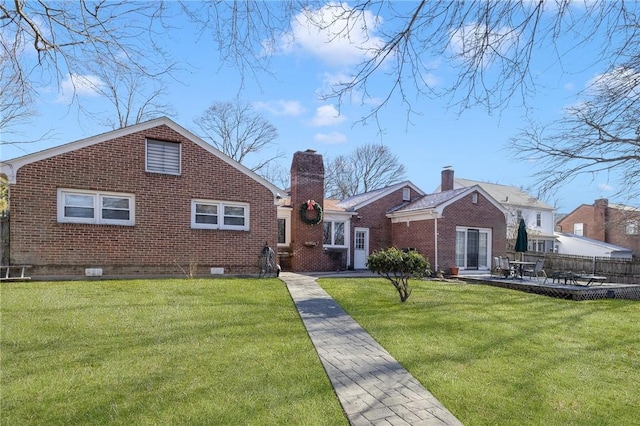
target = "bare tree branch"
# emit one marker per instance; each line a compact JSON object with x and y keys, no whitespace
{"x":367,"y":168}
{"x":133,"y":97}
{"x":600,"y":135}
{"x":60,"y":40}
{"x":489,"y":44}
{"x":237,"y":131}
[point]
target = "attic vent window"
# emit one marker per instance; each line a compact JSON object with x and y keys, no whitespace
{"x":474,"y":198}
{"x":406,"y":194}
{"x":163,"y":157}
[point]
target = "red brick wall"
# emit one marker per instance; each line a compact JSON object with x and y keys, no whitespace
{"x":603,"y":223}
{"x":420,"y":234}
{"x":617,"y":232}
{"x":373,"y":216}
{"x":307,"y":183}
{"x":583,"y":214}
{"x":162,"y":237}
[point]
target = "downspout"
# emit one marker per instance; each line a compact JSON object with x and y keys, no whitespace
{"x":435,"y":228}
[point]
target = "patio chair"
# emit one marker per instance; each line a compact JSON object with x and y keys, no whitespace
{"x":537,"y":270}
{"x":497,"y":270}
{"x":506,"y":268}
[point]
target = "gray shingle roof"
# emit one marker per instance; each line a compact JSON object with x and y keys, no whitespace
{"x":350,"y":203}
{"x":431,"y":201}
{"x":506,"y":195}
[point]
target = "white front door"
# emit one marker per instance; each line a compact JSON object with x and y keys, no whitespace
{"x":360,"y":248}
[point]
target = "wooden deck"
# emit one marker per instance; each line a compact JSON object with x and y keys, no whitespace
{"x":560,"y":290}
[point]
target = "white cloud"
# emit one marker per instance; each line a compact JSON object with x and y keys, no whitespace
{"x":281,"y":107}
{"x":332,"y":138}
{"x":621,"y":82}
{"x":79,"y":85}
{"x":606,"y":187}
{"x":327,"y":115}
{"x":430,"y":80}
{"x":335,"y":33}
{"x":332,"y":82}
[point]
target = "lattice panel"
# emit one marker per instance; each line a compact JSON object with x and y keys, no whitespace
{"x":630,"y":292}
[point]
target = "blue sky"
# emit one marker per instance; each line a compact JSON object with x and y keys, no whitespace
{"x":473,"y":143}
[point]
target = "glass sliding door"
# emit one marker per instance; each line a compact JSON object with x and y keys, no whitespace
{"x":473,"y":248}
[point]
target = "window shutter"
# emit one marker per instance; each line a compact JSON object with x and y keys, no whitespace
{"x":163,"y":157}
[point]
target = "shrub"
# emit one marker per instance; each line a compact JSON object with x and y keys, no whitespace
{"x":398,"y":266}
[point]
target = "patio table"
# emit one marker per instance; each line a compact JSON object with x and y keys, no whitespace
{"x":521,"y":264}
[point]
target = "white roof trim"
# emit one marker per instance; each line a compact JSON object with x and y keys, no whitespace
{"x":423,"y":214}
{"x":11,"y":167}
{"x":436,"y":212}
{"x":386,"y":192}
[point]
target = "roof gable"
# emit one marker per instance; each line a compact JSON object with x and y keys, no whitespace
{"x":569,"y":216}
{"x":504,"y":194}
{"x":358,"y":201}
{"x":11,"y":167}
{"x":434,"y":204}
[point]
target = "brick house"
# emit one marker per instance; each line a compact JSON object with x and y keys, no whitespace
{"x":539,"y":217}
{"x":147,"y":199}
{"x":611,"y":223}
{"x":463,"y":227}
{"x":154,"y":199}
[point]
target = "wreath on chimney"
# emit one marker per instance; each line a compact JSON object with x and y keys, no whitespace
{"x":305,"y":208}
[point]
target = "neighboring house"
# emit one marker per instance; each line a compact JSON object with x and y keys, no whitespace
{"x":611,"y":223}
{"x":577,"y":245}
{"x":537,"y":215}
{"x":147,"y":199}
{"x":463,"y":227}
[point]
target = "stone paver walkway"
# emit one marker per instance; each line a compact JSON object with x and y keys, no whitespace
{"x":373,"y":388}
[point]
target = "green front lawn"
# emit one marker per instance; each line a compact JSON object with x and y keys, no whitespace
{"x":143,"y":352}
{"x":233,"y":351}
{"x":502,"y":357}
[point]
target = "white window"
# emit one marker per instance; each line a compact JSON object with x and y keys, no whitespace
{"x":284,"y":228}
{"x":538,"y":219}
{"x":578,"y":229}
{"x":102,"y":208}
{"x":406,"y":194}
{"x":208,"y":214}
{"x":519,"y":214}
{"x":282,"y":231}
{"x":163,"y":157}
{"x":474,"y":198}
{"x":334,"y":234}
{"x":632,"y":227}
{"x":461,"y":247}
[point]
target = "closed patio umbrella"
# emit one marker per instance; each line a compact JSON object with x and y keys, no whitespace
{"x":521,"y":239}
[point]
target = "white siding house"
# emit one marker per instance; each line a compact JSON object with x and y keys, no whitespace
{"x":537,"y":215}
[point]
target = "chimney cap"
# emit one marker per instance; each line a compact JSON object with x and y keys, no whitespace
{"x":311,"y":151}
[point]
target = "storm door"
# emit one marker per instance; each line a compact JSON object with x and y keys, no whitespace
{"x":360,"y":248}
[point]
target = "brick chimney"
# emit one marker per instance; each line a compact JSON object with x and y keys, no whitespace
{"x":447,"y":180}
{"x":307,"y":183}
{"x":600,"y":220}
